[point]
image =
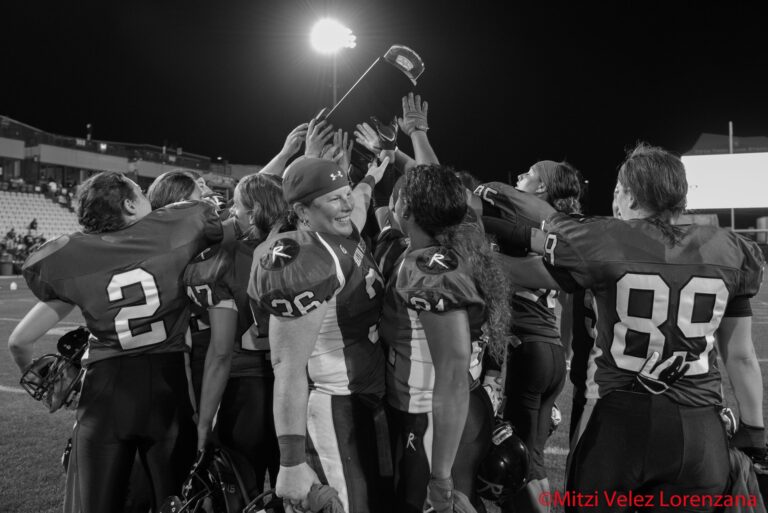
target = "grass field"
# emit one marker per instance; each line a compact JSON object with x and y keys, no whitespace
{"x":32,"y":440}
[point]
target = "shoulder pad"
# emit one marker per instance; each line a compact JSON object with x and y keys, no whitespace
{"x":434,"y":280}
{"x":208,"y":266}
{"x":46,"y":250}
{"x":281,"y":253}
{"x":437,"y":260}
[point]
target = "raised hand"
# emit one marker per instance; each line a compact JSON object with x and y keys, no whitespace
{"x":414,"y":114}
{"x":318,"y":134}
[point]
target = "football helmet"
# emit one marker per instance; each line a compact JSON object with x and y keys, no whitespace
{"x":56,"y":379}
{"x":504,"y":471}
{"x":221,"y":481}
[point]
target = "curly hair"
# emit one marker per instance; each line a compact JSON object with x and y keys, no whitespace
{"x":437,"y":201}
{"x":263,"y":199}
{"x":171,"y":187}
{"x":100,"y":202}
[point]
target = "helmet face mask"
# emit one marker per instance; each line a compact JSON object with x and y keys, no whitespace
{"x":53,"y":379}
{"x":56,"y":379}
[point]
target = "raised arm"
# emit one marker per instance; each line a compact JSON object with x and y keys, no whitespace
{"x":363,"y":191}
{"x":414,"y":125}
{"x":292,"y":145}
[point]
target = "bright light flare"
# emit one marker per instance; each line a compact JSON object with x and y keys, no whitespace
{"x":330,"y":36}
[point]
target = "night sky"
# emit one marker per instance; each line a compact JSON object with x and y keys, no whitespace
{"x":508,"y":83}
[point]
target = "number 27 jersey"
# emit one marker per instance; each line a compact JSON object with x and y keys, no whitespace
{"x":653,"y":296}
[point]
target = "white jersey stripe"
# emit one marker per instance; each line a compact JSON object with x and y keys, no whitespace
{"x":339,"y":274}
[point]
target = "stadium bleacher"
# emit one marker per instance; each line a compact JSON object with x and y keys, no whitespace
{"x":17,"y":209}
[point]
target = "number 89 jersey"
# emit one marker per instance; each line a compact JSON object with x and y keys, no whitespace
{"x":295,"y":272}
{"x":654,"y":296}
{"x":128,"y":282}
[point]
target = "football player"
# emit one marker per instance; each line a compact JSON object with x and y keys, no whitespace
{"x":124,"y":273}
{"x":323,"y":292}
{"x":536,"y":368}
{"x":238,"y":378}
{"x":445,"y":301}
{"x":666,"y":293}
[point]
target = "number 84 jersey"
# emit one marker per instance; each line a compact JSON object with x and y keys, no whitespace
{"x":295,"y":272}
{"x":127,"y":283}
{"x":655,"y":296}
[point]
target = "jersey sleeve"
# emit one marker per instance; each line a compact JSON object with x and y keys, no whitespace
{"x":390,"y":244}
{"x":569,"y":250}
{"x":39,"y":274}
{"x":205,"y":278}
{"x":505,"y":202}
{"x":199,"y":217}
{"x":751,"y":275}
{"x":435,"y":281}
{"x":292,"y":275}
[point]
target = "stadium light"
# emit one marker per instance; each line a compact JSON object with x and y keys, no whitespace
{"x":328,"y":36}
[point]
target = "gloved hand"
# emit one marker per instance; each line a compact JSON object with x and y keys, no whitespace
{"x":657,"y":379}
{"x":493,"y":387}
{"x":414,"y":115}
{"x":441,"y":497}
{"x":751,"y":440}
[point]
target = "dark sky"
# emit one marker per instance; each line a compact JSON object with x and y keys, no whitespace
{"x":508,"y":83}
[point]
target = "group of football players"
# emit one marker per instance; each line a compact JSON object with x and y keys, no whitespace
{"x":361,"y":352}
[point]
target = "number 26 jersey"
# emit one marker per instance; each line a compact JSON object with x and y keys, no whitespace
{"x":655,"y":296}
{"x":128,"y":282}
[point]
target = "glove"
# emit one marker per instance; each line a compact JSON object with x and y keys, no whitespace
{"x":492,"y":387}
{"x":657,"y":379}
{"x":441,"y":497}
{"x":387,"y":133}
{"x":751,"y":441}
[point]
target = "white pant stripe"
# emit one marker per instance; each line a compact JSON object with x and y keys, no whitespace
{"x":323,"y":435}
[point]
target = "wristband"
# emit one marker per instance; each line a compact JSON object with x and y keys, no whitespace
{"x":371,"y":181}
{"x":293,"y":450}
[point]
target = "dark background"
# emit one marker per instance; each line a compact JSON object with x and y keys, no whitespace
{"x":508,"y":83}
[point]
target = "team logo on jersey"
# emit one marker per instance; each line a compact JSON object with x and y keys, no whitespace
{"x":437,"y":260}
{"x":281,"y":253}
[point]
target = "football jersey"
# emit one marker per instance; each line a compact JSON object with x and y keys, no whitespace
{"x":534,"y":318}
{"x":218,"y":277}
{"x":127,"y":283}
{"x":505,"y":202}
{"x":390,"y":244}
{"x":654,"y":296}
{"x":434,"y":279}
{"x":584,"y":333}
{"x":295,"y":272}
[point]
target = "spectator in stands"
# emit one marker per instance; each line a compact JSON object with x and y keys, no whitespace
{"x":33,"y":225}
{"x":53,"y":187}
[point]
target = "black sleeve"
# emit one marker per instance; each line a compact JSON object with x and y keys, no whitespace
{"x":563,"y":277}
{"x":513,"y":239}
{"x":738,"y":307}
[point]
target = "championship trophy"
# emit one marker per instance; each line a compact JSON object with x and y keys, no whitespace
{"x":376,"y":99}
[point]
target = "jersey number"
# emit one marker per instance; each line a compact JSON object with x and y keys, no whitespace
{"x":659,"y":311}
{"x":127,"y":314}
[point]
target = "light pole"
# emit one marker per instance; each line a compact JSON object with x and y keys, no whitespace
{"x":328,"y":36}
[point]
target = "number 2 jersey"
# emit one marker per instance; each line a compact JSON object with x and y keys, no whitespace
{"x":294,"y":272}
{"x":434,"y":279}
{"x":219,"y":277}
{"x":128,"y":282}
{"x":652,"y":295}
